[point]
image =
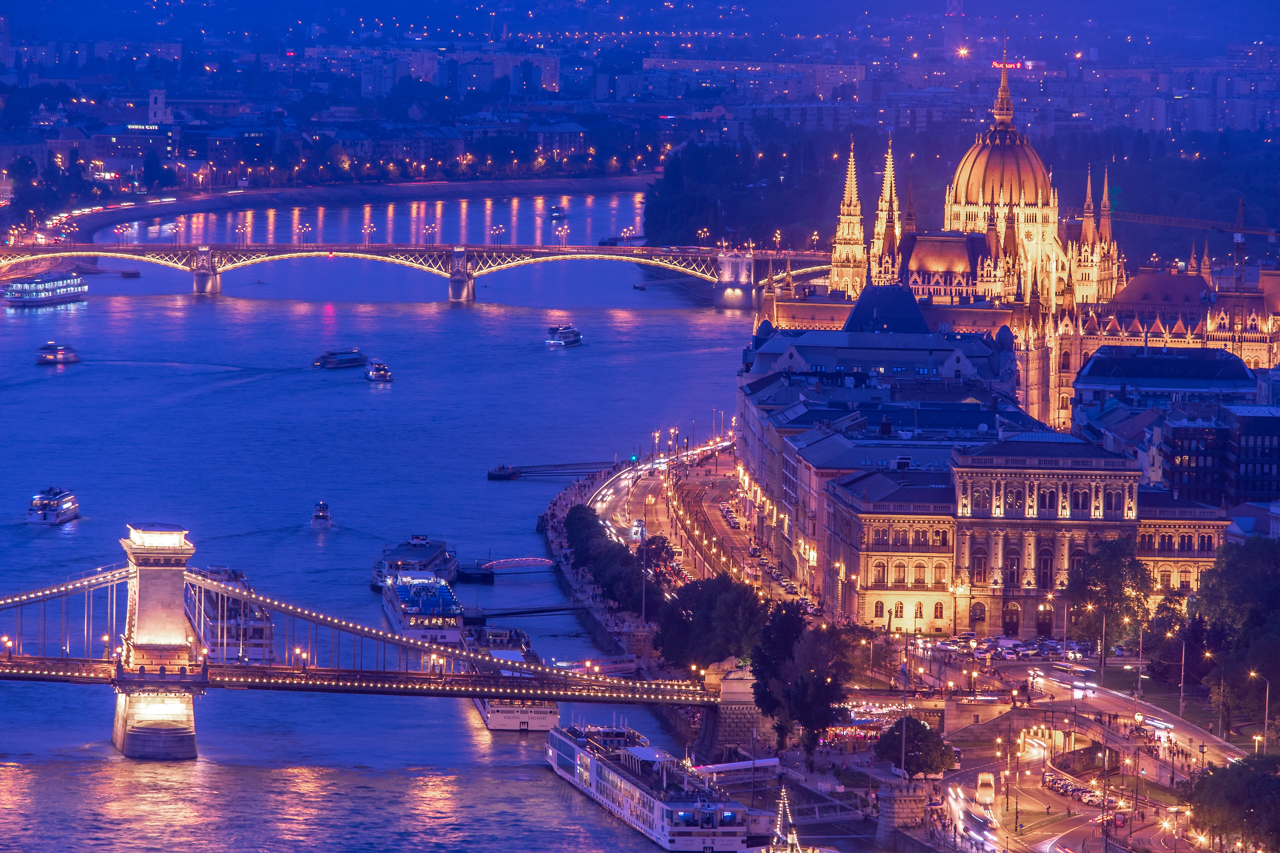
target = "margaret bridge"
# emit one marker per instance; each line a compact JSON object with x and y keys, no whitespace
{"x":161,"y":633}
{"x":736,"y":276}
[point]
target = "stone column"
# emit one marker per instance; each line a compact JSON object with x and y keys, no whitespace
{"x":964,"y":570}
{"x":1029,"y":559}
{"x":1064,"y":559}
{"x":997,"y":558}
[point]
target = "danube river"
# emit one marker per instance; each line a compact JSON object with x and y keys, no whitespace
{"x":205,"y":411}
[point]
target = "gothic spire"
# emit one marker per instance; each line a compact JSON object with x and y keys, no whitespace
{"x":891,"y":234}
{"x":1088,"y":225}
{"x":909,"y":218}
{"x":1003,"y":111}
{"x":1104,"y":227}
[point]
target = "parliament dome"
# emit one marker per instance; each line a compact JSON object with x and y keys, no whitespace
{"x":1001,"y":161}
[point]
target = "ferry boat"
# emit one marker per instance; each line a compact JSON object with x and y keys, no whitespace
{"x":511,"y":715}
{"x":320,"y":518}
{"x":336,"y":359}
{"x":377,"y":371}
{"x":52,"y":353}
{"x":420,"y":555}
{"x":563,"y":336}
{"x":53,"y":506}
{"x":233,"y":631}
{"x":647,"y":788}
{"x":423,"y":607}
{"x":557,"y":212}
{"x":46,"y":289}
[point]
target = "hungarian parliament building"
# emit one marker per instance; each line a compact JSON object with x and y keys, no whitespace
{"x":906,"y":439}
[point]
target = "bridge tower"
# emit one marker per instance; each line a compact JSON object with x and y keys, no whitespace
{"x":207,"y":278}
{"x":462,"y":281}
{"x":735,"y":279}
{"x":155,"y":689}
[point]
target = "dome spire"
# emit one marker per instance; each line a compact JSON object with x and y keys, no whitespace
{"x":1003,"y":111}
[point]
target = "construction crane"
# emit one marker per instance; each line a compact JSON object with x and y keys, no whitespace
{"x":1236,"y":227}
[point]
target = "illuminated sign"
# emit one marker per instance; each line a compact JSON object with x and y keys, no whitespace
{"x":1007,"y":65}
{"x":142,"y":127}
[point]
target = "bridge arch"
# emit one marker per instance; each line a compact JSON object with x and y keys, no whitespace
{"x":175,"y":260}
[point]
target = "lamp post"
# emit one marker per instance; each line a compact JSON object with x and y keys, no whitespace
{"x":1182,"y":678}
{"x":1266,"y":711}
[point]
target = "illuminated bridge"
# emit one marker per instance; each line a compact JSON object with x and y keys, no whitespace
{"x":161,"y":634}
{"x":736,"y":275}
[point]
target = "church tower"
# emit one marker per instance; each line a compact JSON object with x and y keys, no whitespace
{"x":886,"y":206}
{"x":849,"y":254}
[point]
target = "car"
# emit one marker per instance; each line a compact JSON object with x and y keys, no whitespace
{"x":754,"y":551}
{"x":985,"y":794}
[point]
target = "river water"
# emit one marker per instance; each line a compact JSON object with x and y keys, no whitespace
{"x":204,"y":411}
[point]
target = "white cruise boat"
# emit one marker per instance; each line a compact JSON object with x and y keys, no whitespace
{"x":52,"y":353}
{"x":377,"y":371}
{"x":647,"y":788}
{"x":46,"y":289}
{"x":53,"y":506}
{"x":420,"y":555}
{"x":320,"y":518}
{"x":511,"y":715}
{"x":232,"y":630}
{"x":563,"y":336}
{"x":423,"y":607}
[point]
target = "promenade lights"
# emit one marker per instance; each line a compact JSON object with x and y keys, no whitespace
{"x":1266,"y":712}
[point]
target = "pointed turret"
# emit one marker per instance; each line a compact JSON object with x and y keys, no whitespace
{"x":1003,"y":110}
{"x":1069,"y":293}
{"x":887,"y":203}
{"x":1034,"y":302}
{"x":1191,"y":259}
{"x":1104,"y":227}
{"x":891,"y":235}
{"x":1017,"y":294}
{"x":1088,"y":225}
{"x":1010,"y":236}
{"x":1206,"y":266}
{"x":993,"y":235}
{"x":848,"y":252}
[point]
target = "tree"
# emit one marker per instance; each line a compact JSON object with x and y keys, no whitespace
{"x":1241,"y":800}
{"x":927,"y":752}
{"x":1105,"y":588}
{"x":708,"y":621}
{"x":778,"y":638}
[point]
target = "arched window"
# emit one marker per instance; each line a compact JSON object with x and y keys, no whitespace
{"x":880,"y":536}
{"x":982,"y":500}
{"x":1146,"y":542}
{"x":919,"y":573}
{"x":1166,"y":580}
{"x":1112,"y":501}
{"x":1206,"y":543}
{"x":900,"y":536}
{"x":940,"y":538}
{"x":1044,"y":568}
{"x":1166,"y":542}
{"x":978,"y":612}
{"x":1064,"y":402}
{"x":919,"y":614}
{"x":1014,"y":504}
{"x":1184,"y":580}
{"x":1064,"y":361}
{"x":879,"y":610}
{"x":900,"y":573}
{"x":1048,"y":502}
{"x":1186,"y":542}
{"x":881,"y":572}
{"x":1080,"y":500}
{"x":940,"y":574}
{"x":920,"y":536}
{"x":978,"y":563}
{"x":1012,"y":560}
{"x":897,"y":610}
{"x":938,"y":611}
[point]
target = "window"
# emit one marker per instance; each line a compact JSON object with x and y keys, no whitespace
{"x":919,"y":573}
{"x":940,"y":573}
{"x":879,"y":610}
{"x":1184,"y":580}
{"x":1044,"y":568}
{"x":1064,"y":362}
{"x":1166,"y":580}
{"x":1147,"y":542}
{"x":1014,"y":503}
{"x":978,"y":613}
{"x":1206,"y":543}
{"x":979,"y":565}
{"x":900,"y":573}
{"x":900,"y":536}
{"x":1166,"y":542}
{"x":1064,"y":402}
{"x":919,"y":612}
{"x":940,"y":538}
{"x":920,"y":537}
{"x":880,"y":536}
{"x":1079,"y":500}
{"x":881,"y":572}
{"x":1112,"y":501}
{"x":939,"y":612}
{"x":982,"y":499}
{"x":1186,"y":542}
{"x":1012,"y":560}
{"x":897,"y":610}
{"x":1048,"y":502}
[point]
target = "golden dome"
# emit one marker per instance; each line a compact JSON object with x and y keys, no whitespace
{"x":1001,"y":161}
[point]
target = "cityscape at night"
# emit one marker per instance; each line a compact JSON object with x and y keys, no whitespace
{"x":601,"y":425}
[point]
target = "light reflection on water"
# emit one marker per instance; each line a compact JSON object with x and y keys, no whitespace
{"x":205,"y":411}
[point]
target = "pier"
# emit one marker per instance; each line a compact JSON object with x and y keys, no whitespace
{"x":564,"y":469}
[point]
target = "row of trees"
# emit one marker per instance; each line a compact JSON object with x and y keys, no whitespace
{"x":1240,"y":801}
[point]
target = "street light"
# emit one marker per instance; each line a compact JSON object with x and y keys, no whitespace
{"x":1182,"y":678}
{"x":1266,"y":711}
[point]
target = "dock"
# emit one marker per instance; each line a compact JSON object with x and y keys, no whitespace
{"x":565,"y":469}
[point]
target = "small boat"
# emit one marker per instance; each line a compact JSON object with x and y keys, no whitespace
{"x":638,"y":286}
{"x":52,"y":353}
{"x":232,"y":630}
{"x":46,"y":289}
{"x":335,"y":359}
{"x":53,"y":506}
{"x":377,"y":371}
{"x":320,"y":518}
{"x":563,"y":336}
{"x":557,"y":212}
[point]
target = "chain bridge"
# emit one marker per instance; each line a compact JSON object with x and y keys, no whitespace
{"x":735,"y":275}
{"x":161,"y":633}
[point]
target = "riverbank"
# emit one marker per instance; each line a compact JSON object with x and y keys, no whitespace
{"x":349,"y":195}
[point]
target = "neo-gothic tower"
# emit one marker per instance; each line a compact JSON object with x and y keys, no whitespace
{"x":849,"y":253}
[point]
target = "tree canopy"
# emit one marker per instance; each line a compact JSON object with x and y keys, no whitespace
{"x":927,"y":752}
{"x":1109,"y":585}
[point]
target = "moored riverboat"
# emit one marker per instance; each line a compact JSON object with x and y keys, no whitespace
{"x":53,"y":506}
{"x":46,"y":289}
{"x":421,"y":556}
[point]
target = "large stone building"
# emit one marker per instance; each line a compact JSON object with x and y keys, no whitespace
{"x":1006,"y":258}
{"x":983,"y":544}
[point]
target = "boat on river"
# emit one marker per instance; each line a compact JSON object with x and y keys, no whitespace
{"x":53,"y":506}
{"x":647,"y":788}
{"x":52,"y":353}
{"x":233,"y":630}
{"x":377,"y":371}
{"x":46,"y":289}
{"x":423,"y":607}
{"x":320,"y":517}
{"x":338,"y":359}
{"x":421,"y":555}
{"x":510,"y":715}
{"x":563,"y":336}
